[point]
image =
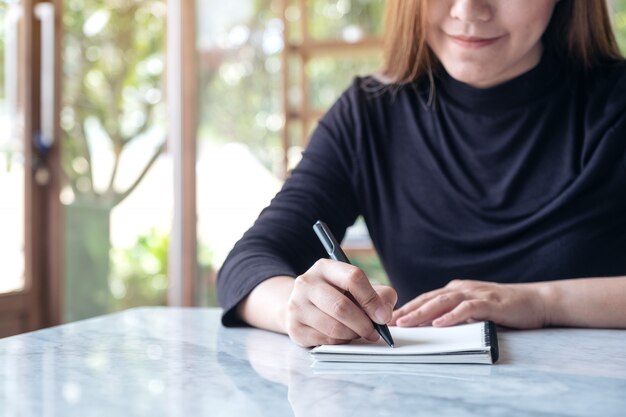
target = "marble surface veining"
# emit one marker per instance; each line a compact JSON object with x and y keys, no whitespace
{"x":182,"y":362}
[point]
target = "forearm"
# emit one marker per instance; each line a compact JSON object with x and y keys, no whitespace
{"x":265,"y":307}
{"x":589,"y":302}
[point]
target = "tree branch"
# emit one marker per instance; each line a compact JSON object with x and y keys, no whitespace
{"x":120,"y":197}
{"x":117,"y":153}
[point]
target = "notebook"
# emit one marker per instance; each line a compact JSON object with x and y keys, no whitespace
{"x":465,"y":343}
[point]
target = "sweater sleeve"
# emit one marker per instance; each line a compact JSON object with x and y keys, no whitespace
{"x":321,"y":187}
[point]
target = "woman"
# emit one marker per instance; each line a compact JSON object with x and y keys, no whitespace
{"x":489,"y":163}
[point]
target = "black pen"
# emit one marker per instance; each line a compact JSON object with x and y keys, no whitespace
{"x":334,"y":251}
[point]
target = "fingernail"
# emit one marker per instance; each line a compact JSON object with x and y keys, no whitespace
{"x":382,"y":315}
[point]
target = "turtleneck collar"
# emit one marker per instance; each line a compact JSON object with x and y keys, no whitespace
{"x":518,"y":91}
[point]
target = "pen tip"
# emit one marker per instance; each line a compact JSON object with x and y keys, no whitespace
{"x":391,"y":345}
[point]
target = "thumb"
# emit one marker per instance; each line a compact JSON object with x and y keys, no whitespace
{"x":388,"y":295}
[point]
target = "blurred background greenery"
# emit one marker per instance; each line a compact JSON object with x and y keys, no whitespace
{"x":112,"y":103}
{"x":619,"y":22}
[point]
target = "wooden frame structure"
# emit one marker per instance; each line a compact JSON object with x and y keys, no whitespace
{"x":38,"y":304}
{"x":305,"y":51}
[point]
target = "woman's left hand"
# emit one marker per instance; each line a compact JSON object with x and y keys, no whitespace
{"x":518,"y":306}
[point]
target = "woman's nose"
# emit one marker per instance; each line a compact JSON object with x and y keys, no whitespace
{"x":471,"y":11}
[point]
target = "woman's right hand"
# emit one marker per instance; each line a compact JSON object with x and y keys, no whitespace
{"x":333,"y":302}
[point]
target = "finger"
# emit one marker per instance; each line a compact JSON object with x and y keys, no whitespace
{"x":325,"y":324}
{"x":351,"y":279}
{"x":453,"y":285}
{"x":467,"y":311}
{"x":417,"y":302}
{"x":432,"y":309}
{"x":338,"y":306}
{"x":313,"y":295}
{"x":388,"y":294}
{"x":307,"y":336}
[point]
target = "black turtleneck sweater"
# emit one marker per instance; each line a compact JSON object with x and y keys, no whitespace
{"x":522,"y":182}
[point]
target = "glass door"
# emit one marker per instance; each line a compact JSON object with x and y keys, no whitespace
{"x":27,"y":160}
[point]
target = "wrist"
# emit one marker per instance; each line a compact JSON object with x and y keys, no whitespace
{"x":548,"y":294}
{"x":266,"y":305}
{"x":282,"y":313}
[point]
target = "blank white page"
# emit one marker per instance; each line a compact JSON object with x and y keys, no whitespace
{"x":417,"y":341}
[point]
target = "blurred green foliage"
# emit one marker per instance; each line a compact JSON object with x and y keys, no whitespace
{"x":113,"y":66}
{"x":619,"y":23}
{"x":240,"y":71}
{"x":112,"y":113}
{"x":370,"y":264}
{"x":337,"y":19}
{"x":239,"y":75}
{"x":331,"y":75}
{"x":139,"y":273}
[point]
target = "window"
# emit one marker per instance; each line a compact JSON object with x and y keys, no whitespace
{"x":268,"y":70}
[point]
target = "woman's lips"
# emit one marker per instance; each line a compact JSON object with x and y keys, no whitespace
{"x":474,"y":42}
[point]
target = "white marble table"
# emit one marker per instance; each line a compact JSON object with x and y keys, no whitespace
{"x":182,"y":362}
